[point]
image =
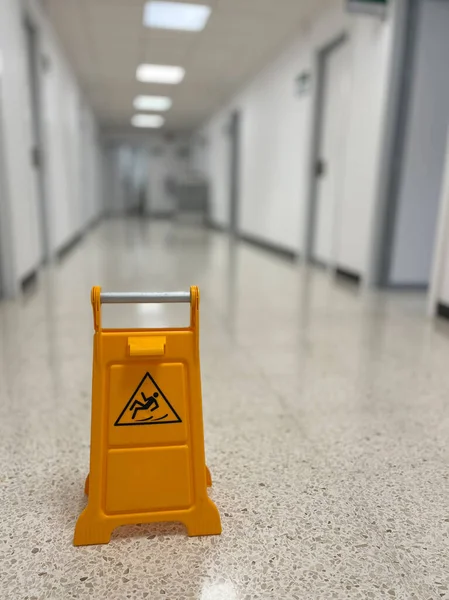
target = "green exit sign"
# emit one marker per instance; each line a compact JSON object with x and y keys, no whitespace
{"x":372,"y":7}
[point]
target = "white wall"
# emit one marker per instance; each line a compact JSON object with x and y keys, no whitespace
{"x":439,"y":282}
{"x":439,"y":290}
{"x":276,"y":140}
{"x":92,"y":191}
{"x":444,"y":293}
{"x":70,"y":139}
{"x":211,"y":158}
{"x":16,"y":126}
{"x":71,"y":143}
{"x":422,"y":169}
{"x":371,"y":44}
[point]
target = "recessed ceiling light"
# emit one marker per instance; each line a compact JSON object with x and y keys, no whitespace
{"x":159,"y":73}
{"x":175,"y":15}
{"x":153,"y":121}
{"x":152,"y":103}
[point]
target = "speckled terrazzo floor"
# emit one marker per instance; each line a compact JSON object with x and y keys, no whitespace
{"x":326,"y":418}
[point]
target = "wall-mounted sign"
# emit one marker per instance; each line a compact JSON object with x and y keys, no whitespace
{"x":370,"y":7}
{"x":303,"y":83}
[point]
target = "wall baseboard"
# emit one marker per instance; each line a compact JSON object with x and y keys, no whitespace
{"x":319,"y":264}
{"x":95,"y":222}
{"x":258,"y":242}
{"x":29,"y":282}
{"x":217,"y":226}
{"x":277,"y":249}
{"x":66,"y":248}
{"x":347,"y":275}
{"x":406,"y":287}
{"x":443,"y":310}
{"x":161,"y":214}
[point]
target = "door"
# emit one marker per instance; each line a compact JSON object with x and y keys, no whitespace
{"x":329,"y":168}
{"x":234,"y":186}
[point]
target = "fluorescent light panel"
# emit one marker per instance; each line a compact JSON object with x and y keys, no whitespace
{"x":160,"y":74}
{"x":152,"y":103}
{"x":153,"y":121}
{"x":175,"y":15}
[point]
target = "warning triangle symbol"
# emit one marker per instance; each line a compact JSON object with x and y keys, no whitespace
{"x":147,"y":406}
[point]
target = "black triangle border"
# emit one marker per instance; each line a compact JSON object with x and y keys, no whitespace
{"x":118,"y":424}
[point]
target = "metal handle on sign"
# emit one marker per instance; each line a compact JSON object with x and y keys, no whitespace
{"x":144,"y":297}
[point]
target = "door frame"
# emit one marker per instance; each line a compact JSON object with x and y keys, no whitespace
{"x":318,"y":99}
{"x":402,"y":101}
{"x":235,"y":129}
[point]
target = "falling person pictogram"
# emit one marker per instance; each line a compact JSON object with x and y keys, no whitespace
{"x":147,"y":406}
{"x":150,"y":403}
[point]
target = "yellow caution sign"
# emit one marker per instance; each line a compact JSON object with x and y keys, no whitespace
{"x":147,"y":459}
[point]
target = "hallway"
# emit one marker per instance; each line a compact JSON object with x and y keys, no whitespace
{"x":325,"y":416}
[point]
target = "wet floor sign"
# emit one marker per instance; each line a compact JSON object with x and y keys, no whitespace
{"x":147,"y":445}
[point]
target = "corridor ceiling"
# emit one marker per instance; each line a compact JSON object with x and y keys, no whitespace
{"x":105,"y":41}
